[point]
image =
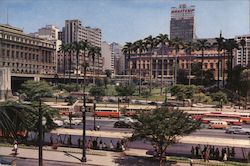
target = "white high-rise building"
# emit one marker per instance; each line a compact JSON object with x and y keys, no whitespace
{"x":108,"y":57}
{"x":74,"y":31}
{"x":242,"y":56}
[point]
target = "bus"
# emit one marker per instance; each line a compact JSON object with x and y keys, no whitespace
{"x":107,"y":112}
{"x":231,"y":119}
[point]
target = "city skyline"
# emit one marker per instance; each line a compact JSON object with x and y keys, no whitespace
{"x":123,"y":21}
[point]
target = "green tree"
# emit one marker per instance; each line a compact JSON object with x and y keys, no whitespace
{"x":64,"y":48}
{"x":245,"y":82}
{"x":163,"y":127}
{"x":97,"y":92}
{"x":35,"y":90}
{"x":230,"y":45}
{"x":185,"y":91}
{"x":108,"y":73}
{"x":189,"y":48}
{"x":146,"y":94}
{"x":219,"y":44}
{"x":219,"y":96}
{"x":202,"y":45}
{"x":127,"y":50}
{"x":93,"y":53}
{"x":151,"y":43}
{"x":125,"y":90}
{"x":139,"y":47}
{"x":163,"y":41}
{"x":176,"y":44}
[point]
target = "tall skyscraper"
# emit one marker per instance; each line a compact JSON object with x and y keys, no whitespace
{"x":182,"y":22}
{"x":108,"y":57}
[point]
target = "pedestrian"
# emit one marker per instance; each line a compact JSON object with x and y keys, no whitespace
{"x":192,"y":151}
{"x":51,"y":140}
{"x":111,"y":145}
{"x":94,"y":144}
{"x":105,"y":146}
{"x":123,"y":147}
{"x":207,"y":153}
{"x":233,"y":152}
{"x":79,"y":142}
{"x":100,"y":145}
{"x":89,"y":144}
{"x":217,"y":153}
{"x":118,"y":146}
{"x":213,"y":152}
{"x":15,"y":148}
{"x":225,"y":157}
{"x":197,"y":151}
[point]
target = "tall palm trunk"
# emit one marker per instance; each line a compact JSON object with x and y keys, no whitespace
{"x":140,"y":73}
{"x":202,"y":62}
{"x":162,"y":70}
{"x":151,"y":70}
{"x":94,"y":72}
{"x":218,"y":74}
{"x":70,"y":66}
{"x":223,"y":69}
{"x":77,"y":67}
{"x":64,"y":67}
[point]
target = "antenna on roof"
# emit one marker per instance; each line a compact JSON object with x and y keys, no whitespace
{"x":7,"y":16}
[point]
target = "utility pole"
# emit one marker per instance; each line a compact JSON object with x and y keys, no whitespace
{"x":94,"y":114}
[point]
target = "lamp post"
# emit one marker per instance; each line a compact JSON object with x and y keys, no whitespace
{"x":94,"y":114}
{"x":84,"y":159}
{"x":41,"y":122}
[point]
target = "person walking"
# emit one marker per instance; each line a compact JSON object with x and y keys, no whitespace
{"x":15,"y":147}
{"x":111,"y":145}
{"x":197,"y":151}
{"x":100,"y":145}
{"x":217,"y":153}
{"x":225,"y":157}
{"x":192,"y":151}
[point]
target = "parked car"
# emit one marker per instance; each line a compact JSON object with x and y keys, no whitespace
{"x":122,"y":124}
{"x":238,"y":130}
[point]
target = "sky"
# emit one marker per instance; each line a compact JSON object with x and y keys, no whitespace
{"x":128,"y":20}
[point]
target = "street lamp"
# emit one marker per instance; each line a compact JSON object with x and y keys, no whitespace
{"x":41,"y":122}
{"x":94,"y":113}
{"x":84,"y":159}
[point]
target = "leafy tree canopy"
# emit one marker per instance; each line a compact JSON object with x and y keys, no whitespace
{"x":219,"y":96}
{"x":185,"y":91}
{"x":97,"y":92}
{"x":125,"y":90}
{"x":35,"y":90}
{"x":163,"y":127}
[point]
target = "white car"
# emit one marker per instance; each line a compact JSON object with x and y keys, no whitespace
{"x":58,"y":122}
{"x":74,"y":121}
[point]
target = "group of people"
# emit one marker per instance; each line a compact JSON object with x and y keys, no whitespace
{"x":212,"y":152}
{"x":99,"y":144}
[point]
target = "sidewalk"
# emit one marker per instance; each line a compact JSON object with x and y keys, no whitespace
{"x":98,"y":157}
{"x":70,"y":155}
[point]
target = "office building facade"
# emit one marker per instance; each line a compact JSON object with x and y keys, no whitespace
{"x":23,"y":53}
{"x":182,"y":23}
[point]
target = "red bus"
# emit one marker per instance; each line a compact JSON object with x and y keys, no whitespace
{"x":107,"y":112}
{"x":229,"y":118}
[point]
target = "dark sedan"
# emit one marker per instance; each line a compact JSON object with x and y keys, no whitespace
{"x":121,"y":124}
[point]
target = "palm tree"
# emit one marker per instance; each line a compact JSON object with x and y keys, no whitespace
{"x":219,"y":44}
{"x":229,"y":46}
{"x":242,"y":44}
{"x":202,"y":45}
{"x":139,"y":48}
{"x":162,"y":40}
{"x":70,"y":49}
{"x":64,"y":48}
{"x":93,"y":53}
{"x":245,"y":79}
{"x":151,"y":44}
{"x":189,"y":48}
{"x":177,"y":44}
{"x":127,"y":49}
{"x":77,"y":48}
